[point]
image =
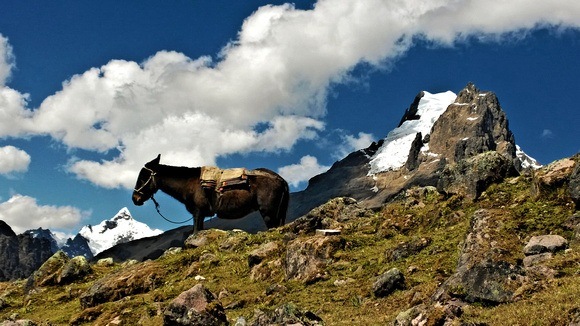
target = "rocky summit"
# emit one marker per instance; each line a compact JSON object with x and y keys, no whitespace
{"x":465,"y":232}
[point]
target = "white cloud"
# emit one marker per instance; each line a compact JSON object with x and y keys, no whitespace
{"x":303,"y":171}
{"x":547,"y":134}
{"x":13,"y":160}
{"x":6,"y":60}
{"x":277,"y":72}
{"x":23,"y":213}
{"x":353,"y":143}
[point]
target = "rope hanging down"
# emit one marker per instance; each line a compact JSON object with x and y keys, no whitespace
{"x":165,"y":218}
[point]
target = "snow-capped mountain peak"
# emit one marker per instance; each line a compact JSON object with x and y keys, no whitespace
{"x":395,"y":150}
{"x":119,"y":229}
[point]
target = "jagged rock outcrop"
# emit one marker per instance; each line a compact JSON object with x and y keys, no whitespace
{"x":77,"y":246}
{"x":482,"y":275}
{"x":473,"y":124}
{"x":21,"y":254}
{"x":470,"y":177}
{"x":553,"y":175}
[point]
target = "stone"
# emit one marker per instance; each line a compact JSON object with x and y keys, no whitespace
{"x":406,"y":249}
{"x":203,"y":238}
{"x":286,"y":314}
{"x":306,"y":259}
{"x":327,"y":232}
{"x":328,"y":216}
{"x":481,"y":274}
{"x":471,"y":176}
{"x":196,"y":306}
{"x":105,"y":262}
{"x":49,"y":272}
{"x":545,"y":243}
{"x":73,"y":270}
{"x":388,"y":282}
{"x":265,"y":250}
{"x":534,"y":260}
{"x":552,"y":176}
{"x":18,"y":322}
{"x":135,"y":279}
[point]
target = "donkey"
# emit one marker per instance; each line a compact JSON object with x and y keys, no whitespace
{"x":265,"y":191}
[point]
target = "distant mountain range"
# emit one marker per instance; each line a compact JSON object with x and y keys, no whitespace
{"x":23,"y":253}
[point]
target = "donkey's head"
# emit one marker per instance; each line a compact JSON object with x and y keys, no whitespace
{"x":146,"y":186}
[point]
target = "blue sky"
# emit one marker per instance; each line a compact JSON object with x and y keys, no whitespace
{"x":91,"y":90}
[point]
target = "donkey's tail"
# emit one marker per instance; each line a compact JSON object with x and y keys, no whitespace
{"x":283,"y":206}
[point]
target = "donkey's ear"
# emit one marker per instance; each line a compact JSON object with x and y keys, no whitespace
{"x":154,"y":162}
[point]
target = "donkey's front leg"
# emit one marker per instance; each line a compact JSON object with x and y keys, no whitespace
{"x":198,"y":221}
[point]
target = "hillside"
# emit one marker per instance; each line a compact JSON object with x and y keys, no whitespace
{"x":443,"y":222}
{"x":422,"y":233}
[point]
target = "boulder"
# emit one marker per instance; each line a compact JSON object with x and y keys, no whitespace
{"x":471,"y":176}
{"x":204,"y":238}
{"x":552,"y":176}
{"x":49,"y":272}
{"x":388,"y":282}
{"x":286,"y":314}
{"x":73,"y":270}
{"x":482,"y":275}
{"x":196,"y":306}
{"x":406,"y":249}
{"x":257,"y":255}
{"x":545,"y":243}
{"x":306,"y":259}
{"x":135,"y":279}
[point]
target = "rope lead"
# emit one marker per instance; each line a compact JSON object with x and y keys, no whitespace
{"x":165,"y":218}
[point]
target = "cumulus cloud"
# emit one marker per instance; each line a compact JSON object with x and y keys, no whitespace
{"x":13,"y":160}
{"x":277,"y":74}
{"x":303,"y":171}
{"x":23,"y":213}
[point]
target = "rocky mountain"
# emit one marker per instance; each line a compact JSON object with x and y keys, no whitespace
{"x":21,"y":254}
{"x":436,"y":133}
{"x":24,"y":253}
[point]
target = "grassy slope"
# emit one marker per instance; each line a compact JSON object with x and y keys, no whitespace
{"x":444,"y":220}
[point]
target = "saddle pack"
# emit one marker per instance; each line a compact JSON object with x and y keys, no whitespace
{"x":223,"y":180}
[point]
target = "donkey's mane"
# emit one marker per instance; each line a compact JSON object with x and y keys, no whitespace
{"x":179,"y":171}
